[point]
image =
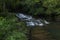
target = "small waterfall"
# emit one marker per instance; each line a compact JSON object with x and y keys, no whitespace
{"x":30,"y":21}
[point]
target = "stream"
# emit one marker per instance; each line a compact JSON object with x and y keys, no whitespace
{"x":31,"y":21}
{"x":39,"y":33}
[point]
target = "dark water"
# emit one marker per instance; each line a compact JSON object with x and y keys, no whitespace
{"x":48,"y":32}
{"x":54,"y":30}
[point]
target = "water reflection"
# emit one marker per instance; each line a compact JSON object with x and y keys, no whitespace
{"x":30,"y":21}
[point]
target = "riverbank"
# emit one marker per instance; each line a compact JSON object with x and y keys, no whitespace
{"x":10,"y":26}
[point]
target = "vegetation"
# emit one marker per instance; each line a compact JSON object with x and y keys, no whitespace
{"x":11,"y":28}
{"x":45,"y":8}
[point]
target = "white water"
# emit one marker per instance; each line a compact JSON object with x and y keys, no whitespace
{"x":30,"y":21}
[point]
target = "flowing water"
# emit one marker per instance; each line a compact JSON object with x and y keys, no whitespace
{"x":44,"y":31}
{"x":30,"y":21}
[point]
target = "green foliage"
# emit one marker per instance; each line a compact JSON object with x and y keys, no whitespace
{"x":10,"y":29}
{"x":16,"y":36}
{"x":33,"y":7}
{"x":52,"y":6}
